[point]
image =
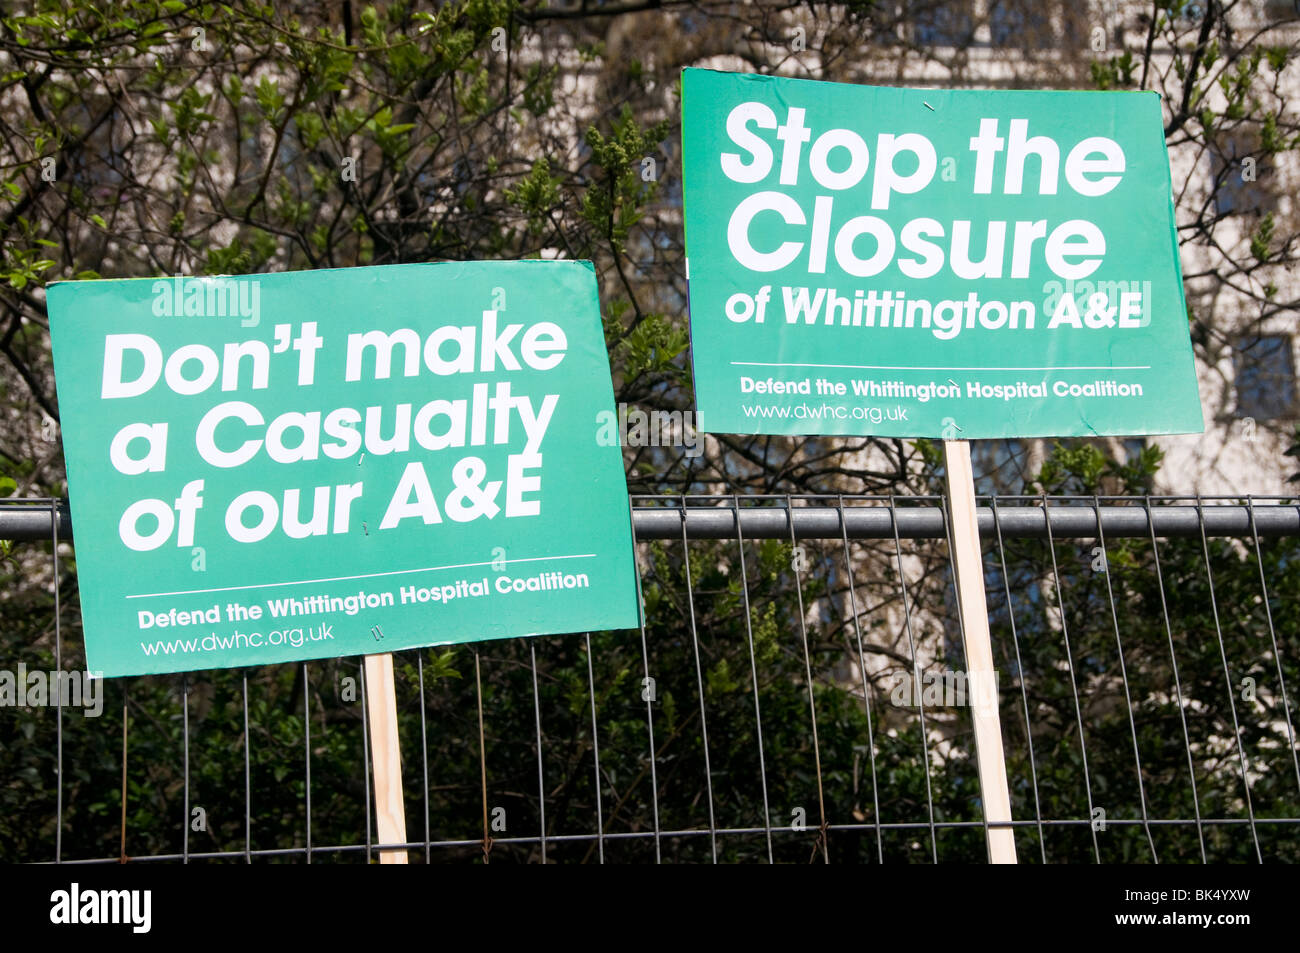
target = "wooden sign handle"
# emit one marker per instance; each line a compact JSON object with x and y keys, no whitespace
{"x":385,"y":756}
{"x":980,"y":674}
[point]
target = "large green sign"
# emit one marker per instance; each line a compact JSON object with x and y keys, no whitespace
{"x":293,"y":466}
{"x":910,"y":262}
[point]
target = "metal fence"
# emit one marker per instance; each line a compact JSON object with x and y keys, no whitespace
{"x":794,"y":694}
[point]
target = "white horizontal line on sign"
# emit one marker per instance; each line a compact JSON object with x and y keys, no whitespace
{"x":368,"y":575}
{"x":909,"y":367}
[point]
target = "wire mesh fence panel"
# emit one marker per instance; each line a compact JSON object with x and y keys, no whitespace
{"x":797,"y":693}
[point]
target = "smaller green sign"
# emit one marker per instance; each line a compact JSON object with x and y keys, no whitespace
{"x":931,"y":263}
{"x":280,"y":467}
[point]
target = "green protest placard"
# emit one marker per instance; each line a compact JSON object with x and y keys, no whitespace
{"x":908,"y":262}
{"x":312,"y":464}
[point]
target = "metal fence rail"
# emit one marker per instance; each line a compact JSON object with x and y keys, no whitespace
{"x":31,"y":520}
{"x":788,"y":697}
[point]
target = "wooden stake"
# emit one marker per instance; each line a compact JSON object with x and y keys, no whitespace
{"x":980,"y":675}
{"x":385,"y":756}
